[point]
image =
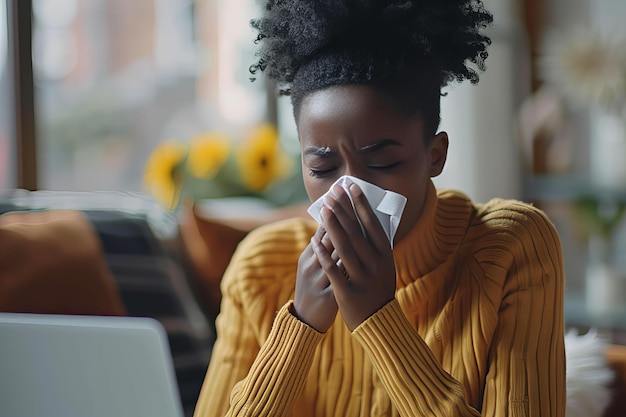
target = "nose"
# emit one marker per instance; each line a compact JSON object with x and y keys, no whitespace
{"x":355,"y":170}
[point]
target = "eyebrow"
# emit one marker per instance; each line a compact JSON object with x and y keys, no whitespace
{"x":319,"y":151}
{"x":375,"y":147}
{"x":368,"y":149}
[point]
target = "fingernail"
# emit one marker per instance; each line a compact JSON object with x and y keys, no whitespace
{"x":354,"y":189}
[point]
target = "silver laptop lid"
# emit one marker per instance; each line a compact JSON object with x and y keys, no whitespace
{"x":85,"y":366}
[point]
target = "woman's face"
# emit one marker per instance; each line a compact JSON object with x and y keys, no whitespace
{"x":354,"y":130}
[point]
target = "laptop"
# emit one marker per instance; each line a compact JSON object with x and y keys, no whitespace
{"x":85,"y":366}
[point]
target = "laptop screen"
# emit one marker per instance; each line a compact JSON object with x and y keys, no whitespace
{"x":56,"y":365}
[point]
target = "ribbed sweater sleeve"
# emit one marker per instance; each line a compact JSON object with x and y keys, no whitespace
{"x":413,"y":378}
{"x":526,"y":374}
{"x":279,"y":371}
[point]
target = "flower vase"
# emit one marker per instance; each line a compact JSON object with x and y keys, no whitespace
{"x":605,"y":284}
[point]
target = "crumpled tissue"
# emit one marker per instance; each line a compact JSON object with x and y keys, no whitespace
{"x":388,"y":205}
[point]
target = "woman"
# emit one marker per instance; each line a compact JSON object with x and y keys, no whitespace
{"x":463,"y":316}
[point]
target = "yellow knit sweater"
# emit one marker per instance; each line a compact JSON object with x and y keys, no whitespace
{"x":476,"y":327}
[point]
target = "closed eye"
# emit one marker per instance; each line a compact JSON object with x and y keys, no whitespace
{"x":386,"y":167}
{"x":320,"y":173}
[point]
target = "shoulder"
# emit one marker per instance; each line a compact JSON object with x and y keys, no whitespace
{"x":515,"y":218}
{"x":517,"y":236}
{"x":497,"y":215}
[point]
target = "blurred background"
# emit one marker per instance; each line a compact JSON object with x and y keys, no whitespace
{"x":90,"y":88}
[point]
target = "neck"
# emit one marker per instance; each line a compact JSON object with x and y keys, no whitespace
{"x":437,"y":233}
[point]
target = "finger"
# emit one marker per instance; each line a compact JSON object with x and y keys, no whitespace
{"x":322,"y":280}
{"x":349,"y":248}
{"x":320,"y":232}
{"x":308,"y":251}
{"x":329,"y":247}
{"x":349,"y":233}
{"x":368,"y":218}
{"x":339,"y":202}
{"x":335,"y":274}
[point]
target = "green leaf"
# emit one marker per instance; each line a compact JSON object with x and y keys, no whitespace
{"x":598,"y":216}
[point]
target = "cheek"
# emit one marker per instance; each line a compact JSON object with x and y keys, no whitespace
{"x":410,"y":180}
{"x":314,"y":187}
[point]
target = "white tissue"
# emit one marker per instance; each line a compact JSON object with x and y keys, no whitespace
{"x":388,"y":205}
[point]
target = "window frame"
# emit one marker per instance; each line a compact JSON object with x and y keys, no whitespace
{"x":19,"y":25}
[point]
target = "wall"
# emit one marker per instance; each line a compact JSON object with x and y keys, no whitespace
{"x":484,"y":157}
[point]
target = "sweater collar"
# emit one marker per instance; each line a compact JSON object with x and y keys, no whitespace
{"x":436,"y":234}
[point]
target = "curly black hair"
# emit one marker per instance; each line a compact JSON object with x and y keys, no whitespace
{"x":407,"y":48}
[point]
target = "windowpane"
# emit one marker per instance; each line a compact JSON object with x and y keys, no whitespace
{"x":113,"y":78}
{"x":7,"y":164}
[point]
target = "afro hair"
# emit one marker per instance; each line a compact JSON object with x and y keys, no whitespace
{"x":307,"y":45}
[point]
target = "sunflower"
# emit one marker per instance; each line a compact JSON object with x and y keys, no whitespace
{"x":207,"y":153}
{"x":162,"y":177}
{"x":260,"y":158}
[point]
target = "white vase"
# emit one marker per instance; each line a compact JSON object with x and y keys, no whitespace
{"x":605,"y":290}
{"x":607,"y":149}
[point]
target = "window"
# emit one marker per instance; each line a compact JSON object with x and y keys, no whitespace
{"x":114,"y":77}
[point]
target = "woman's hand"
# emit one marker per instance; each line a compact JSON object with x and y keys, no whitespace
{"x":314,"y":302}
{"x":365,"y":280}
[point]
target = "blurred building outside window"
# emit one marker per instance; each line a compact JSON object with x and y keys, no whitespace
{"x":114,"y":78}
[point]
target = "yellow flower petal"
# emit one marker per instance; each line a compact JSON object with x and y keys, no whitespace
{"x":207,"y":153}
{"x":260,"y":158}
{"x":159,"y":176}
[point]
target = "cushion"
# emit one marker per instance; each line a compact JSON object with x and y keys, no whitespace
{"x":52,"y":262}
{"x":208,"y":245}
